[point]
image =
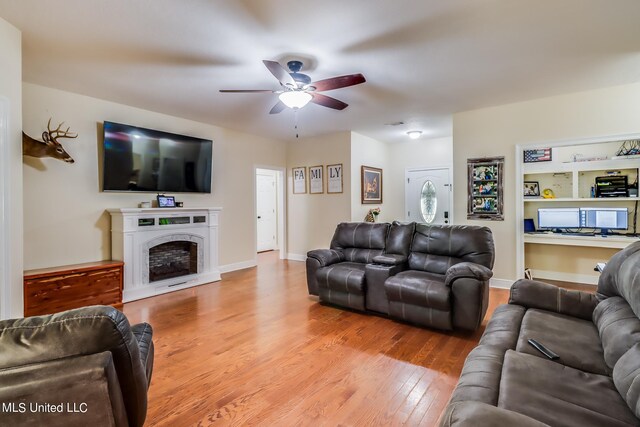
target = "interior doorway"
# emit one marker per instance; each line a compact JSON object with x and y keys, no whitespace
{"x":269,"y":202}
{"x":429,"y":196}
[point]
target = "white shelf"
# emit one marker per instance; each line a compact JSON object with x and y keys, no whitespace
{"x":615,"y":242}
{"x":552,"y":167}
{"x":582,"y":199}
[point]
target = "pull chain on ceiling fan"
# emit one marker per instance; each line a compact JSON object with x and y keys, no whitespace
{"x":298,"y":90}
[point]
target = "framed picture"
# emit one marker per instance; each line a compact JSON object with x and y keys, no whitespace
{"x":485,"y":188}
{"x":334,"y":178}
{"x":371,"y":179}
{"x":166,"y":201}
{"x":299,"y":180}
{"x":316,"y":179}
{"x":537,"y":155}
{"x":531,"y":189}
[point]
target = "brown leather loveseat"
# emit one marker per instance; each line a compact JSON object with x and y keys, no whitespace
{"x":433,"y":276}
{"x":594,"y":382}
{"x":80,"y":367}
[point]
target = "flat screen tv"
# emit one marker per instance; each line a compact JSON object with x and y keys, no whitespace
{"x":139,"y":159}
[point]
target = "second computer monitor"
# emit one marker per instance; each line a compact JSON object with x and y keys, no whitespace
{"x":604,"y":218}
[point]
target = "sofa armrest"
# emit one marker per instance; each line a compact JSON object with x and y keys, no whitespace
{"x":326,"y":256}
{"x":534,"y":294}
{"x":390,"y":259}
{"x":478,"y":414}
{"x":144,"y":336}
{"x":468,"y":270}
{"x":84,"y":390}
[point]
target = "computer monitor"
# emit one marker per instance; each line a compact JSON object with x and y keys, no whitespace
{"x":604,"y":218}
{"x":551,"y":218}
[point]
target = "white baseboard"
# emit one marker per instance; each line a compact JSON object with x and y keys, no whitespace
{"x":587,"y":279}
{"x":296,"y":257}
{"x":501,"y":283}
{"x":238,"y":266}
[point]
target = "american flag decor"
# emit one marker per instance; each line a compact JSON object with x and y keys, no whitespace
{"x":538,"y":155}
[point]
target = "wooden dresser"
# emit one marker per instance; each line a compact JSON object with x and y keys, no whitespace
{"x":50,"y":290}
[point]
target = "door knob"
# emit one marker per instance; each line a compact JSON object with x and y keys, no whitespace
{"x":259,"y":217}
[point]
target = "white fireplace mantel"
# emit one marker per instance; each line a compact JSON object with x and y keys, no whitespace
{"x":134,"y":231}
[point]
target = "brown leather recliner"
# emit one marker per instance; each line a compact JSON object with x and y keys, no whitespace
{"x":88,"y":363}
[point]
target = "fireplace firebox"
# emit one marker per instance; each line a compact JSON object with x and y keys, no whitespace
{"x":172,"y":259}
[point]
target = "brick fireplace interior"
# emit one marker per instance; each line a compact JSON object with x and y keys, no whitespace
{"x":173,"y":259}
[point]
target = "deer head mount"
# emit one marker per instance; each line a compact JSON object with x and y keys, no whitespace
{"x":49,"y":146}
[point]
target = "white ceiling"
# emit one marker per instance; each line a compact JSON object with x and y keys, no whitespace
{"x":423,"y":59}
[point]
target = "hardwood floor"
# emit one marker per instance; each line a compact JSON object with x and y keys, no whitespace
{"x":256,"y":349}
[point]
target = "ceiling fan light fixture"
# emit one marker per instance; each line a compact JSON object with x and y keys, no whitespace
{"x":414,"y":134}
{"x":295,"y":98}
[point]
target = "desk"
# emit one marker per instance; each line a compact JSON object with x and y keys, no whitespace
{"x":613,"y":242}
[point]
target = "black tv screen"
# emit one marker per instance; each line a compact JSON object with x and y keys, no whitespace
{"x":139,"y":159}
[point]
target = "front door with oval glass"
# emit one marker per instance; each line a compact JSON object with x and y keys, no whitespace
{"x":428,"y":196}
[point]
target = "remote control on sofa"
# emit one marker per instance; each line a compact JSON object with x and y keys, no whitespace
{"x":542,"y":349}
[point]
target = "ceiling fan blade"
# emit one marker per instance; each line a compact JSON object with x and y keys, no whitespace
{"x":279,"y":72}
{"x":327,"y":101}
{"x":338,"y":82}
{"x":277,"y":108}
{"x":246,"y":91}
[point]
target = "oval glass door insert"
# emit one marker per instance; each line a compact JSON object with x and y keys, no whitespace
{"x":428,"y":202}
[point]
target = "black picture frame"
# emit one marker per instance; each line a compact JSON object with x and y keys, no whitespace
{"x":166,"y":201}
{"x":531,"y":189}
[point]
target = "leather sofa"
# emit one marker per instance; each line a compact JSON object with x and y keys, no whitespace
{"x":88,"y":365}
{"x":595,"y":381}
{"x":433,"y":276}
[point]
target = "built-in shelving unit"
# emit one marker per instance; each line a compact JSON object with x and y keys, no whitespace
{"x":552,"y":255}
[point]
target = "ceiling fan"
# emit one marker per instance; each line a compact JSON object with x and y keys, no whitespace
{"x":298,"y":90}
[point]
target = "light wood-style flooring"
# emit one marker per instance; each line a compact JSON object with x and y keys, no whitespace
{"x":256,"y":349}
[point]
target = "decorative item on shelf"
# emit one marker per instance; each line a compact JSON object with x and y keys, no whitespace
{"x":299,"y":180}
{"x":166,"y":201}
{"x":537,"y":155}
{"x":334,"y":178}
{"x":629,"y":148}
{"x":548,"y":193}
{"x":372,"y":215}
{"x":531,"y":189}
{"x":485,"y":188}
{"x":49,"y":147}
{"x":179,"y":204}
{"x":371,"y":185}
{"x":145,"y":205}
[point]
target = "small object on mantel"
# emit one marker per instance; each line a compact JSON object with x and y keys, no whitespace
{"x":145,"y":205}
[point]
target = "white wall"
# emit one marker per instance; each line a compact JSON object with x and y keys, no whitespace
{"x":11,"y":90}
{"x":367,"y":151}
{"x":64,"y":209}
{"x":496,"y":131}
{"x":312,"y":218}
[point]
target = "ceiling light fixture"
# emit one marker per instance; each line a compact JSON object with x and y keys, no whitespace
{"x":414,"y":134}
{"x":295,"y":98}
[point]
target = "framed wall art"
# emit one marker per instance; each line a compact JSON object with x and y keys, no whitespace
{"x":316,"y":179}
{"x":371,"y":179}
{"x":531,"y":189}
{"x":334,"y":178}
{"x":485,"y":188}
{"x":537,"y":155}
{"x":299,"y":180}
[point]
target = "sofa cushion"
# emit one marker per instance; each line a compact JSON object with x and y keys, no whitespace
{"x":419,"y":288}
{"x":480,"y":377}
{"x":360,"y":241}
{"x":559,"y":395}
{"x":345,"y":277}
{"x":619,"y":328}
{"x":436,"y":248}
{"x":626,"y":377}
{"x":504,"y":327}
{"x":576,"y":341}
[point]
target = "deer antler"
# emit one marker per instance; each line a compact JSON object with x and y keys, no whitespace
{"x":58,"y":133}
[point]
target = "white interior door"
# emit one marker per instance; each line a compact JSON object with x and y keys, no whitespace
{"x":266,"y":205}
{"x":428,"y":196}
